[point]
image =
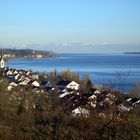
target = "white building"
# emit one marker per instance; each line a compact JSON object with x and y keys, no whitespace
{"x":93,"y":97}
{"x":68,"y":84}
{"x":73,"y":85}
{"x":1,"y":61}
{"x":81,"y":112}
{"x":35,"y":84}
{"x":24,"y":82}
{"x":65,"y":93}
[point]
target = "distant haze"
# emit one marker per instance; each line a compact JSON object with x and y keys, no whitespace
{"x":73,"y":26}
{"x":86,"y":47}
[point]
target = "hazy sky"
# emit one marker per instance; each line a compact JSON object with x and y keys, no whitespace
{"x":25,"y":22}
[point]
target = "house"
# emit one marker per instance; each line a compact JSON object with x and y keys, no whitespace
{"x":63,"y":83}
{"x":95,"y":91}
{"x":9,"y":72}
{"x":93,"y":104}
{"x":11,"y":85}
{"x":133,"y":101}
{"x":20,"y":78}
{"x":15,"y":72}
{"x":92,"y":99}
{"x":35,"y":84}
{"x":27,"y":72}
{"x":39,"y":56}
{"x":24,"y":81}
{"x":80,"y":112}
{"x":90,"y":96}
{"x":66,"y":99}
{"x":102,"y":96}
{"x":16,"y":77}
{"x":128,"y":99}
{"x":35,"y":76}
{"x":68,"y":84}
{"x":64,"y":93}
{"x":22,"y":72}
{"x":111,"y":96}
{"x":123,"y":108}
{"x":73,"y":85}
{"x":47,"y":85}
{"x":9,"y":88}
{"x":7,"y":55}
{"x":108,"y":100}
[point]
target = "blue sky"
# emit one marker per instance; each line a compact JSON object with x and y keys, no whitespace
{"x":66,"y":22}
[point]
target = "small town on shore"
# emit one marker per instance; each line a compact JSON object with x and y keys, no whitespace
{"x":76,"y":100}
{"x":27,"y":54}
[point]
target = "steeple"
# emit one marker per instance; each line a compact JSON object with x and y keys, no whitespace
{"x":1,"y":60}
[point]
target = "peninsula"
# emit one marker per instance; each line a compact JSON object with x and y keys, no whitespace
{"x":132,"y":53}
{"x":27,"y":53}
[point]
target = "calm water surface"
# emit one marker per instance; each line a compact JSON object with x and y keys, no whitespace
{"x":116,"y":70}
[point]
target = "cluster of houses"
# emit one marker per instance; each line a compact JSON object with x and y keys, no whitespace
{"x":68,"y":92}
{"x":20,"y":78}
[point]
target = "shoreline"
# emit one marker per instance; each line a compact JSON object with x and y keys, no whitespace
{"x":99,"y":86}
{"x":99,"y":75}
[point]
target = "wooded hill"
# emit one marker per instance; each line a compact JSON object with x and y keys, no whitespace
{"x":27,"y":53}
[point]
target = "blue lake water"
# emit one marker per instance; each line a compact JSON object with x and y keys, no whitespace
{"x":116,"y":70}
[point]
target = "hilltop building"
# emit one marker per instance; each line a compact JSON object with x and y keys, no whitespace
{"x":1,"y":60}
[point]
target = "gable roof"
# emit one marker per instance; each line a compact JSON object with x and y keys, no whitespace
{"x":63,"y":83}
{"x":133,"y":100}
{"x":43,"y":83}
{"x":88,"y":94}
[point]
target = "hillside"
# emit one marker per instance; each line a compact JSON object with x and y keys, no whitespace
{"x":27,"y":53}
{"x":37,"y":106}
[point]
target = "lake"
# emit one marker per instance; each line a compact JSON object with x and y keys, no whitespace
{"x":116,"y":70}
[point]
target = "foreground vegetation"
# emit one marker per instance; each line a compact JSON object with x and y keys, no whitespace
{"x":49,"y":120}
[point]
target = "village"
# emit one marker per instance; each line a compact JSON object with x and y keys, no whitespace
{"x":68,"y":91}
{"x":26,"y":54}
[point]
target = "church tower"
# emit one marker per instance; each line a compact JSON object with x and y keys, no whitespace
{"x":1,"y":60}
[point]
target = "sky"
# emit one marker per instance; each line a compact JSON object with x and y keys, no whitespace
{"x":71,"y":25}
